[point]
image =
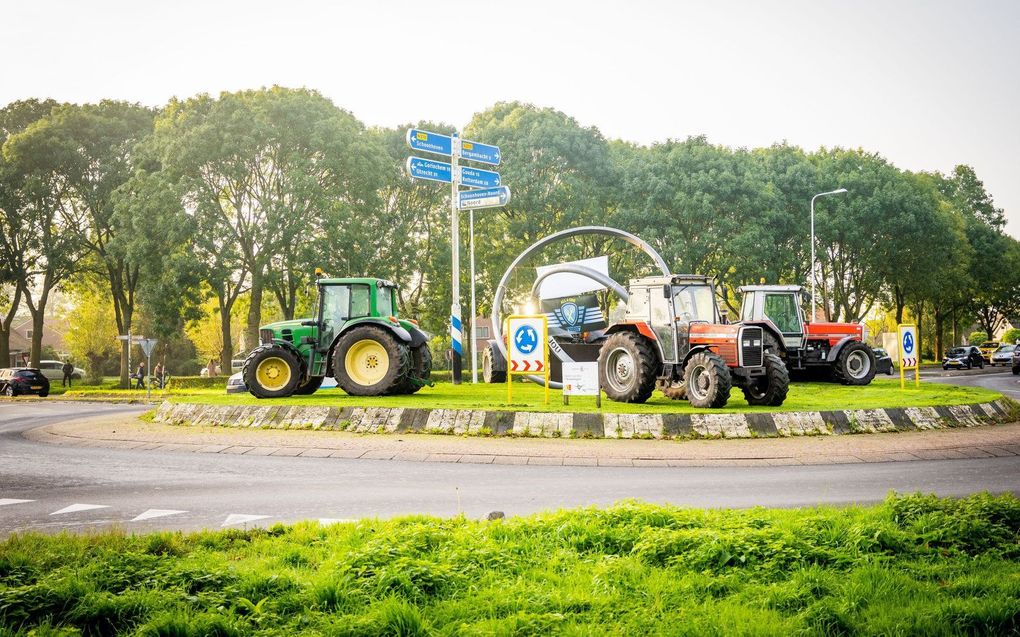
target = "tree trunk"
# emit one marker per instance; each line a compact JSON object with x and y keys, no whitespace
{"x":251,"y":333}
{"x":939,"y":316}
{"x":5,"y":328}
{"x":900,"y":303}
{"x":227,"y":353}
{"x":37,"y":334}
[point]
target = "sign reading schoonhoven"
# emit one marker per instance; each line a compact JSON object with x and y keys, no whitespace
{"x":527,"y":349}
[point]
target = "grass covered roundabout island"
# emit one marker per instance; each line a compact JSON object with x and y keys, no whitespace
{"x":915,"y":565}
{"x":803,"y":396}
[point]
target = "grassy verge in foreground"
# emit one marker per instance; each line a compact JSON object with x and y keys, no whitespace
{"x":803,"y":396}
{"x":913,"y":565}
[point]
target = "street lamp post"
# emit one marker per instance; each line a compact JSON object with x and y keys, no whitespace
{"x":814,"y":302}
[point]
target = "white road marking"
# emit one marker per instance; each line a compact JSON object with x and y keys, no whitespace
{"x":74,"y":508}
{"x":6,"y":501}
{"x":241,"y":518}
{"x":156,"y":513}
{"x":330,"y":521}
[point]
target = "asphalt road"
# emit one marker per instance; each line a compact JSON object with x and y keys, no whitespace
{"x":49,"y":488}
{"x":1003,"y":381}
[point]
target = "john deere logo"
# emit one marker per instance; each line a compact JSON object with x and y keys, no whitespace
{"x":570,"y":313}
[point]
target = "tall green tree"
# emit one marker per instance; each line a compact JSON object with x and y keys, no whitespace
{"x":996,"y":287}
{"x":260,"y":172}
{"x":80,"y":155}
{"x":14,"y":118}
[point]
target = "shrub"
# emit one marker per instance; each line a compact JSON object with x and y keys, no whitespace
{"x":197,"y":382}
{"x":978,"y":337}
{"x":1011,"y":336}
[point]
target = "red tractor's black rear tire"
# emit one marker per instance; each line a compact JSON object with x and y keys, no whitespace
{"x":708,"y":380}
{"x":628,"y":367}
{"x":771,"y":389}
{"x":855,"y":364}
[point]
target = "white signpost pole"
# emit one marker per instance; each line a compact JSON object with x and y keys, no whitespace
{"x":456,"y":334}
{"x":474,"y":312}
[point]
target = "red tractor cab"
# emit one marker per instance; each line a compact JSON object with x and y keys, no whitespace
{"x":802,"y":344}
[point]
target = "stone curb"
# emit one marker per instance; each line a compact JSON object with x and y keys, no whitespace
{"x":998,"y":446}
{"x":578,"y":425}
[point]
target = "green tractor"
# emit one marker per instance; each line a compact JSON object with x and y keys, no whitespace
{"x":356,"y":338}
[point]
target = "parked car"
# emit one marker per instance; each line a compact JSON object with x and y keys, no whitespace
{"x":54,"y":370}
{"x":1016,"y":361}
{"x":883,"y":362}
{"x":964,"y":357}
{"x":16,"y":381}
{"x":987,"y":349}
{"x":1003,"y":355}
{"x":235,"y":384}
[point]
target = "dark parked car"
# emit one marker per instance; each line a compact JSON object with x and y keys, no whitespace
{"x":883,"y":362}
{"x":963,"y":358}
{"x":23,"y":380}
{"x":1016,"y":361}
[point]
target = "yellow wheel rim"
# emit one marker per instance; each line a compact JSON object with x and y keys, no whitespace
{"x":273,"y":373}
{"x":367,"y":362}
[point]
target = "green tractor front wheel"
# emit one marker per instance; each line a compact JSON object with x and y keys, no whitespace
{"x":271,"y":371}
{"x":369,"y":361}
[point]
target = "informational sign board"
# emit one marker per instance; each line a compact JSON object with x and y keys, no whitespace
{"x":581,"y":379}
{"x":527,"y":349}
{"x":909,"y":354}
{"x":485,"y":198}
{"x":429,"y":169}
{"x":478,"y":178}
{"x":443,"y":145}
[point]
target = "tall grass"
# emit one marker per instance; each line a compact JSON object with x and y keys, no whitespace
{"x":915,"y":565}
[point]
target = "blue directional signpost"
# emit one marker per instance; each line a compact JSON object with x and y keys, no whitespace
{"x":485,"y":198}
{"x":491,"y":193}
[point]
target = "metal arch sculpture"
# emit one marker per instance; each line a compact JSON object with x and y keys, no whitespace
{"x":497,"y":299}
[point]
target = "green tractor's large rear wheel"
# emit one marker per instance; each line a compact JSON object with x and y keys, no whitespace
{"x":369,"y":361}
{"x":271,"y":371}
{"x":421,"y":370}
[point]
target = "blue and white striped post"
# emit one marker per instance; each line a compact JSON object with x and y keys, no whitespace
{"x":456,"y":333}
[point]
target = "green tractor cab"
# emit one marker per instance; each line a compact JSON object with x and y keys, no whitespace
{"x":356,"y":337}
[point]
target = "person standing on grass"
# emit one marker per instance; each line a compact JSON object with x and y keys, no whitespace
{"x":211,"y":368}
{"x":140,"y":375}
{"x":157,"y":371}
{"x":68,"y":369}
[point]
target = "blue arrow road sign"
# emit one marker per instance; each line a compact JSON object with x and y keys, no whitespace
{"x":443,"y":145}
{"x":908,"y":342}
{"x":429,"y":142}
{"x":486,"y":198}
{"x":480,"y":152}
{"x":428,"y":169}
{"x":477,"y":178}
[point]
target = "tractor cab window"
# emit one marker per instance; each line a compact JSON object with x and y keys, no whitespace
{"x":336,"y":304}
{"x":384,"y":301}
{"x":694,"y":303}
{"x":360,"y":301}
{"x":781,"y":309}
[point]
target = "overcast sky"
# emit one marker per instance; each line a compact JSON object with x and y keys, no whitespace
{"x":926,"y":84}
